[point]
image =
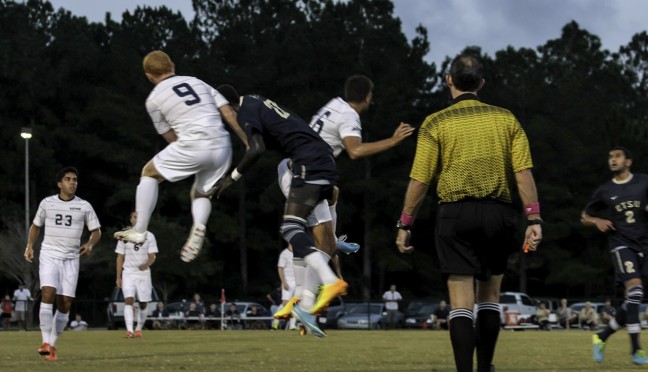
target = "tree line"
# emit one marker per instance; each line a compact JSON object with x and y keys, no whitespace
{"x":81,"y":88}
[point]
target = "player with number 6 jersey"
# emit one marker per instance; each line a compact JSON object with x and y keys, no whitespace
{"x":63,"y":217}
{"x":618,"y":209}
{"x":188,"y":113}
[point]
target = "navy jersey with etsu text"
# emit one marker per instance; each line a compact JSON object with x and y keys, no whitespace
{"x":290,"y":133}
{"x":625,"y":205}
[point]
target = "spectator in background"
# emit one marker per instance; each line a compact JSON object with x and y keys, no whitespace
{"x":274,"y":298}
{"x":441,"y":316}
{"x":608,"y":312}
{"x":566,"y":318}
{"x":160,"y":312}
{"x":200,"y":304}
{"x":252,"y":313}
{"x":233,"y":317}
{"x":542,"y":317}
{"x":7,"y":310}
{"x":392,"y":297}
{"x":78,"y":324}
{"x":212,"y":316}
{"x":22,"y":296}
{"x":587,"y":317}
{"x":197,"y":318}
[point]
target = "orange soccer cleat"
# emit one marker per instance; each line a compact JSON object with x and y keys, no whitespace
{"x":138,"y":334}
{"x":44,"y":349}
{"x":52,"y":355}
{"x":328,"y":293}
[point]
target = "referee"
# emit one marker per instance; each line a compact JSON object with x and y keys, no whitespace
{"x":477,"y":151}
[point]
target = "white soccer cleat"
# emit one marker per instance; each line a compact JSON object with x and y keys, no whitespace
{"x":130,"y":235}
{"x":194,"y":244}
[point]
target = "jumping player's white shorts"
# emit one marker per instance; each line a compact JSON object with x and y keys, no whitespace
{"x":137,"y":285}
{"x":287,"y":294}
{"x":60,"y":274}
{"x":176,"y":163}
{"x":320,"y":214}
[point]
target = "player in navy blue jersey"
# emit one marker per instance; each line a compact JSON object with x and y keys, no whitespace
{"x":618,"y":208}
{"x":314,"y":175}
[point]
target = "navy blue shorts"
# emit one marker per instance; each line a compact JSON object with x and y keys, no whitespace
{"x":628,"y":264}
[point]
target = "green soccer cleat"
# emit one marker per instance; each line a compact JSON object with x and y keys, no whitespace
{"x":639,"y":357}
{"x":598,"y":348}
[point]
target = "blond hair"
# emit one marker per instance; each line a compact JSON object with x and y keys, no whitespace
{"x":158,"y":63}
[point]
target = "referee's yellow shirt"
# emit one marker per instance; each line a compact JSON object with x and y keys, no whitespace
{"x":474,"y":148}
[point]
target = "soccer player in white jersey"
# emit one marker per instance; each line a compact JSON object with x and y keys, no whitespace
{"x":338,"y":123}
{"x":134,"y":277}
{"x":63,"y":216}
{"x":187,"y":113}
{"x":287,"y":276}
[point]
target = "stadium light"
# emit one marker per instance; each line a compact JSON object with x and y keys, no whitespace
{"x":26,"y":133}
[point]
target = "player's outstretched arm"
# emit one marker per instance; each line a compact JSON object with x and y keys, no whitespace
{"x":257,"y":147}
{"x":357,"y":149}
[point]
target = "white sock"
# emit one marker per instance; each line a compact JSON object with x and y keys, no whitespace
{"x":45,"y":316}
{"x":333,"y":216}
{"x":128,"y":317}
{"x":308,"y":300}
{"x":141,"y":319}
{"x":319,"y":262}
{"x":311,"y":284}
{"x":200,"y":210}
{"x":292,"y":323}
{"x":145,"y":200}
{"x":299,"y":270}
{"x":60,"y":322}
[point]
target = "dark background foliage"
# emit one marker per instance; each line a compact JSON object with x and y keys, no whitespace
{"x":81,"y":88}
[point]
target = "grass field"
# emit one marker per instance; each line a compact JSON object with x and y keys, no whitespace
{"x":99,"y":350}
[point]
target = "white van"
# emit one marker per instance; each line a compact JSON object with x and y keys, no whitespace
{"x":525,"y":306}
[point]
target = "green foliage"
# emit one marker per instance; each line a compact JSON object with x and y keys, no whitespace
{"x":81,"y":88}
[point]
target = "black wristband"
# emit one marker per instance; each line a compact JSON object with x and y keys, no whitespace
{"x":402,"y":226}
{"x":537,"y":221}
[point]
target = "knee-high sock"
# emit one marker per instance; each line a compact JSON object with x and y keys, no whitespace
{"x":311,"y":284}
{"x":462,"y":337}
{"x":200,"y":210}
{"x":319,"y":262}
{"x":633,"y":300}
{"x":333,"y":210}
{"x":60,"y":322}
{"x":128,"y":317}
{"x":615,"y":324}
{"x":145,"y":200}
{"x":299,"y":270}
{"x":45,"y":316}
{"x":141,"y":319}
{"x":486,"y":332}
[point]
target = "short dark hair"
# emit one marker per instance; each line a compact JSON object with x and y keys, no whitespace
{"x":230,"y":94}
{"x":466,"y":72}
{"x":60,"y":174}
{"x":626,"y":152}
{"x":357,"y":88}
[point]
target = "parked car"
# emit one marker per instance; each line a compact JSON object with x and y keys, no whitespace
{"x":366,"y":316}
{"x":115,"y":309}
{"x":336,"y":309}
{"x":422,"y":318}
{"x":525,"y":306}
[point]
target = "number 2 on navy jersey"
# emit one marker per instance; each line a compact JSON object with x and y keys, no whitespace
{"x":630,"y":217}
{"x":270,"y":104}
{"x":184,"y":90}
{"x":319,"y":123}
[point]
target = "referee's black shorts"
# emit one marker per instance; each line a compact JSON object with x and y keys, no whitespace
{"x":475,"y":237}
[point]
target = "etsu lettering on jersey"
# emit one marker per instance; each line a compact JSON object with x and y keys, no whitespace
{"x":75,"y":209}
{"x":632,"y":204}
